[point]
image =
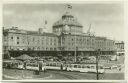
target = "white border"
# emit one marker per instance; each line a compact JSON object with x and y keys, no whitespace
{"x":61,"y":2}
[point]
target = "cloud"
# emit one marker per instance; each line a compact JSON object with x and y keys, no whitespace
{"x":106,"y":19}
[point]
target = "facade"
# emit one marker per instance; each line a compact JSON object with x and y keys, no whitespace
{"x":120,"y":47}
{"x":73,"y":39}
{"x":66,"y":39}
{"x":15,"y":40}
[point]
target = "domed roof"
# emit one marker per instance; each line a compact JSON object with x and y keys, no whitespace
{"x":67,"y":19}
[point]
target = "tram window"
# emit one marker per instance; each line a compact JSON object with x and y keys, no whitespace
{"x":20,"y":63}
{"x":28,"y":64}
{"x":88,"y":66}
{"x":33,"y":65}
{"x":47,"y":65}
{"x":36,"y":65}
{"x":60,"y":64}
{"x":83,"y":66}
{"x":92,"y":67}
{"x":54,"y":64}
{"x":50,"y":64}
{"x":75,"y":66}
{"x":70,"y":65}
{"x":57,"y":64}
{"x":43,"y":64}
{"x":79,"y":66}
{"x":100,"y":67}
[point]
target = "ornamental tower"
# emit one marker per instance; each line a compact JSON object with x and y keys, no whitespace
{"x":68,"y":24}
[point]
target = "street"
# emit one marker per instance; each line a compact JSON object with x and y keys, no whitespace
{"x":14,"y":74}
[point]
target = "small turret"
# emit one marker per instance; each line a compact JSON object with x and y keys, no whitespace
{"x":40,"y":30}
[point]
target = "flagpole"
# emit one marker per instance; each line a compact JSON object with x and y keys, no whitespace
{"x":45,"y":22}
{"x":69,"y":7}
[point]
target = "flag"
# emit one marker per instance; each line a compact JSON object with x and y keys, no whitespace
{"x":69,"y":6}
{"x":45,"y":22}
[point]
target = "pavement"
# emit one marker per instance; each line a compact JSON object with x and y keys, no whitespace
{"x":15,"y":74}
{"x":22,"y":74}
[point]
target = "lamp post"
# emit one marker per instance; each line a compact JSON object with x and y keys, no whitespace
{"x":97,"y":62}
{"x":61,"y":43}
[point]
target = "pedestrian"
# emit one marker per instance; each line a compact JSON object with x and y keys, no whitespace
{"x":44,"y":70}
{"x":120,"y":69}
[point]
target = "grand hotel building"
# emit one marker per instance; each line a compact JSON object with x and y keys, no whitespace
{"x":66,"y":39}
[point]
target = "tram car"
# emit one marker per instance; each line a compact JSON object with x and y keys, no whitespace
{"x":7,"y":63}
{"x":35,"y":65}
{"x":20,"y":65}
{"x":84,"y":68}
{"x":55,"y":66}
{"x":13,"y":64}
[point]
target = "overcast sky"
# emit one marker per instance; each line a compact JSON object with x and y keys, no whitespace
{"x":106,"y":19}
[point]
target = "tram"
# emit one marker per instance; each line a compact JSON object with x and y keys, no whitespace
{"x":7,"y":63}
{"x":13,"y":64}
{"x":35,"y":65}
{"x":55,"y":66}
{"x":85,"y":68}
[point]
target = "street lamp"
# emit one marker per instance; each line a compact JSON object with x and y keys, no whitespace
{"x":97,"y":62}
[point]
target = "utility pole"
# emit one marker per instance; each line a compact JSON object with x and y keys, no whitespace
{"x":75,"y":53}
{"x":61,"y":44}
{"x":97,"y":60}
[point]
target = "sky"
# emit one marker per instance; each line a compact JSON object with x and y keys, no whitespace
{"x":106,"y":19}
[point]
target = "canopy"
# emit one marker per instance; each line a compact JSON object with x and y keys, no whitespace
{"x":24,"y":57}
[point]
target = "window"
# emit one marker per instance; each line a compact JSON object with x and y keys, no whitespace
{"x":33,"y":38}
{"x":50,"y":48}
{"x":17,"y":37}
{"x":68,"y":43}
{"x":17,"y":42}
{"x":38,"y":48}
{"x":79,"y":66}
{"x":50,"y":43}
{"x":75,"y":66}
{"x":11,"y":37}
{"x":55,"y":43}
{"x":72,"y":44}
{"x":54,"y":48}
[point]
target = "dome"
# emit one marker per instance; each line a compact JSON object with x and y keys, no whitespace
{"x":67,"y":19}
